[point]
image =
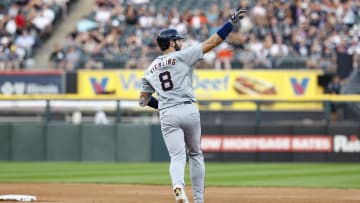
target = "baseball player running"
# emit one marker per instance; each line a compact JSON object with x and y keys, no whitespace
{"x":170,"y":76}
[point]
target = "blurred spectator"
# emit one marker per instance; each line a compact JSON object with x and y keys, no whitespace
{"x":315,"y":56}
{"x":10,"y":26}
{"x":354,"y":50}
{"x":13,"y":60}
{"x":213,"y":14}
{"x":103,"y":14}
{"x":264,"y":56}
{"x":48,"y":13}
{"x":224,"y":55}
{"x":13,"y":10}
{"x":147,"y":19}
{"x":76,"y":118}
{"x":85,"y":25}
{"x":57,"y":58}
{"x":72,"y":59}
{"x":328,"y":60}
{"x":20,"y":20}
{"x":25,"y":41}
{"x":344,"y":60}
{"x":255,"y":45}
{"x":279,"y":48}
{"x":131,"y":15}
{"x":258,"y":12}
{"x":96,"y":60}
{"x":246,"y":57}
{"x":100,"y":117}
{"x":197,"y":20}
{"x":64,"y":7}
{"x":42,"y":22}
{"x":334,"y":87}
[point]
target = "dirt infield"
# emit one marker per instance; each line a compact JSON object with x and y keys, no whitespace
{"x":111,"y":193}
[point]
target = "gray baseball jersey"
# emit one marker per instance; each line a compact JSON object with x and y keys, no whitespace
{"x":170,"y":76}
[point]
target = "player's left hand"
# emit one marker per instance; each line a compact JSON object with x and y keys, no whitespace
{"x":237,"y":16}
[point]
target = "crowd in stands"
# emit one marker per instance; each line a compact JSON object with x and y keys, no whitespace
{"x":24,"y":24}
{"x":274,"y":32}
{"x":118,"y":31}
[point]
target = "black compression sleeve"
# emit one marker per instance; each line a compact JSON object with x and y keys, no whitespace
{"x":153,"y":103}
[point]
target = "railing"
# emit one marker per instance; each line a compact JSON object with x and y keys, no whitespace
{"x":116,"y":104}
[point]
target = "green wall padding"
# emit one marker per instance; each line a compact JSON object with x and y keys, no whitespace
{"x":28,"y":142}
{"x":158,"y":147}
{"x":134,"y":143}
{"x":63,"y":142}
{"x":5,"y":140}
{"x":98,"y":142}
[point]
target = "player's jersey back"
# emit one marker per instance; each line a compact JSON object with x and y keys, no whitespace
{"x":170,"y":76}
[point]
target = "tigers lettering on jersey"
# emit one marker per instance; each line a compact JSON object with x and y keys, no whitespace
{"x":168,"y":62}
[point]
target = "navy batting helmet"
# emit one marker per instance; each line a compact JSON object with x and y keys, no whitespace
{"x":165,"y":36}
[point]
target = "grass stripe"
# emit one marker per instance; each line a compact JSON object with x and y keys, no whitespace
{"x":326,"y":175}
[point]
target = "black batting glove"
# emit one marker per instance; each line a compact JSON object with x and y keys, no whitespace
{"x":237,"y":16}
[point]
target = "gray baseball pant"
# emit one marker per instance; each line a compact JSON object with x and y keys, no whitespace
{"x":181,"y":129}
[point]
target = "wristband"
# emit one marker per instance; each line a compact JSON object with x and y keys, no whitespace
{"x":153,"y":103}
{"x":225,"y":30}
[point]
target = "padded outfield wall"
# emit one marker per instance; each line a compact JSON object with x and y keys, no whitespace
{"x":143,"y":143}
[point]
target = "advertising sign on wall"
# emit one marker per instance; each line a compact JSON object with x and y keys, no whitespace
{"x":232,"y":84}
{"x":20,"y":83}
{"x":213,"y":85}
{"x":274,"y":143}
{"x":124,"y":84}
{"x":281,"y":143}
{"x":343,"y":143}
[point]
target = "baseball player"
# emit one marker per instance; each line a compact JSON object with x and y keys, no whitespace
{"x":170,"y":76}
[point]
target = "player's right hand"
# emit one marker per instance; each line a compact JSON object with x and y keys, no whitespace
{"x":237,"y":16}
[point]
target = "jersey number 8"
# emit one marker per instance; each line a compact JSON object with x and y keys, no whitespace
{"x":166,"y":82}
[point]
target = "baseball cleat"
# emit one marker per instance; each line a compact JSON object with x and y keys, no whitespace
{"x":180,"y":195}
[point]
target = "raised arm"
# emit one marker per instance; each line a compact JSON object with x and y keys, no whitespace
{"x":211,"y":43}
{"x":223,"y":32}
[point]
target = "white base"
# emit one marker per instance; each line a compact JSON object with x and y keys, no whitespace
{"x":20,"y":198}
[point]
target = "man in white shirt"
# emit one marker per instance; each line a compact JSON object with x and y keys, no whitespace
{"x":48,"y":13}
{"x":278,"y":48}
{"x":41,"y":21}
{"x":25,"y":41}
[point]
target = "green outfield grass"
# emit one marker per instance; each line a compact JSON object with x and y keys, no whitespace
{"x":325,"y":175}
